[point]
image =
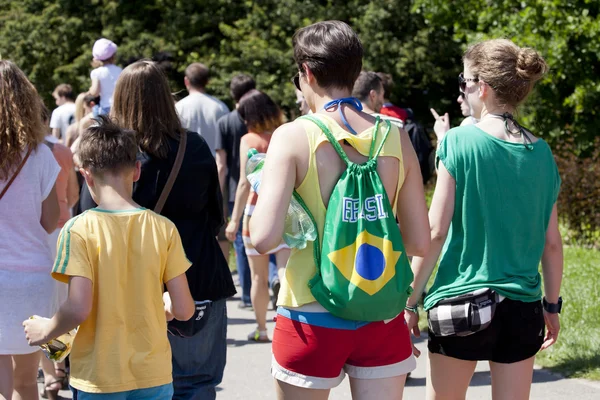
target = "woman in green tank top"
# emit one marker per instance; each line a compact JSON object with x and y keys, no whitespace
{"x":493,"y":218}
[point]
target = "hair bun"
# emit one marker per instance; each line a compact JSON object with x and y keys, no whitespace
{"x":530,"y":65}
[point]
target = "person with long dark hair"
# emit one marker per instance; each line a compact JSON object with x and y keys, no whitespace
{"x":143,"y":103}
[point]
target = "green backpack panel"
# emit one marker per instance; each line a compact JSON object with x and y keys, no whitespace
{"x":363,"y":272}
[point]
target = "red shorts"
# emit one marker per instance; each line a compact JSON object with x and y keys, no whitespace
{"x":316,"y":349}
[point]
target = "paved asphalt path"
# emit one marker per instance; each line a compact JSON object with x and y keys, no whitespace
{"x":247,"y":375}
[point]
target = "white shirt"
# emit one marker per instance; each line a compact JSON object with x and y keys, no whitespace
{"x":23,"y":241}
{"x":396,"y":121}
{"x":62,"y":117}
{"x":199,"y":113}
{"x":107,"y":75}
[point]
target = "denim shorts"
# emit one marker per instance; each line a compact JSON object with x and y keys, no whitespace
{"x":164,"y":392}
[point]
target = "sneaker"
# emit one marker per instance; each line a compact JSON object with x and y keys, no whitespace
{"x":275,"y":287}
{"x":245,"y":306}
{"x":258,"y":336}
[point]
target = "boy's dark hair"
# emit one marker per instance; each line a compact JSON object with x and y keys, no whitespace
{"x":260,"y":112}
{"x":198,"y":75}
{"x":388,"y":84}
{"x":332,"y":51}
{"x":367,"y":81}
{"x":240,"y":85}
{"x":65,"y":90}
{"x":106,"y":147}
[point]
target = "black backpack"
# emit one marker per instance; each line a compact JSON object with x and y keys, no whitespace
{"x":422,"y":145}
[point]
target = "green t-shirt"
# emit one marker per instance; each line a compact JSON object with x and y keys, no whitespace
{"x":504,"y":197}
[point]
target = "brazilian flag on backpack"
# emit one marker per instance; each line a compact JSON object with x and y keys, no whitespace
{"x":363,"y":272}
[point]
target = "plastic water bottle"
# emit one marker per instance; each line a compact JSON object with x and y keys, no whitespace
{"x":254,"y":166}
{"x":299,"y":228}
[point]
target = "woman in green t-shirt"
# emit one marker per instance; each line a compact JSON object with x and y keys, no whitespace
{"x":493,"y":218}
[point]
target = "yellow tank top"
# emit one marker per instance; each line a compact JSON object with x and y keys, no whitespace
{"x":301,"y":267}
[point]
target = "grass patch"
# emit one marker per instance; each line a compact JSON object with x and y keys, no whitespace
{"x":232,"y":262}
{"x":577,"y":352}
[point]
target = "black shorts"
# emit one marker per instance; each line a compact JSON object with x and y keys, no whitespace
{"x":515,"y":334}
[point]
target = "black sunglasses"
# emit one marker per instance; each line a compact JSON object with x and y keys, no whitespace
{"x":296,"y":81}
{"x":462,"y":82}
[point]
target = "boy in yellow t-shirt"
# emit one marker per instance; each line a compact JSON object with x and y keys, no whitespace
{"x":117,"y":258}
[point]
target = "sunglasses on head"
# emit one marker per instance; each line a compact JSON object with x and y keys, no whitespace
{"x":296,"y":81}
{"x":462,"y":82}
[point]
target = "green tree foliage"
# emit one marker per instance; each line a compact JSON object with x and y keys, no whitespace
{"x":564,"y":31}
{"x":420,"y":42}
{"x":52,"y":40}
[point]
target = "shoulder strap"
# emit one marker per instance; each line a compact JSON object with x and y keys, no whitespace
{"x":336,"y":145}
{"x":16,"y":172}
{"x":374,"y":139}
{"x":385,"y":136}
{"x":173,"y":175}
{"x":49,"y":144}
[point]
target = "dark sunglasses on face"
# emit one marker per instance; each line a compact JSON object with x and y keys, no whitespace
{"x":296,"y":81}
{"x":462,"y":82}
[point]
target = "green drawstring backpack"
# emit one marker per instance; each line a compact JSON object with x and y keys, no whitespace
{"x":363,"y":272}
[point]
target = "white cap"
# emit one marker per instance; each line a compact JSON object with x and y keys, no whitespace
{"x":104,"y":49}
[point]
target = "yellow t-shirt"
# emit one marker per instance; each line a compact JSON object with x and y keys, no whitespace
{"x":128,"y":256}
{"x":301,"y":266}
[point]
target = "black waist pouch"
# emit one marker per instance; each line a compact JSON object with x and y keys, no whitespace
{"x":189,"y":328}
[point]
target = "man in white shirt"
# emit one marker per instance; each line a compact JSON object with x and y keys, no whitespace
{"x":198,"y":111}
{"x":64,"y":114}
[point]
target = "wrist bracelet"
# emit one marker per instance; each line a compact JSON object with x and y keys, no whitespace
{"x":414,"y":309}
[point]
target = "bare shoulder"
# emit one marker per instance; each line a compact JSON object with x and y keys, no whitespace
{"x":290,"y":139}
{"x":405,"y":140}
{"x":71,"y":129}
{"x":290,"y":130}
{"x":86,"y":121}
{"x":289,"y":135}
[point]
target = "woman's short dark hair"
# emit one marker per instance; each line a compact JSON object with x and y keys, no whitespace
{"x":332,"y":51}
{"x":240,"y":85}
{"x":260,"y":112}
